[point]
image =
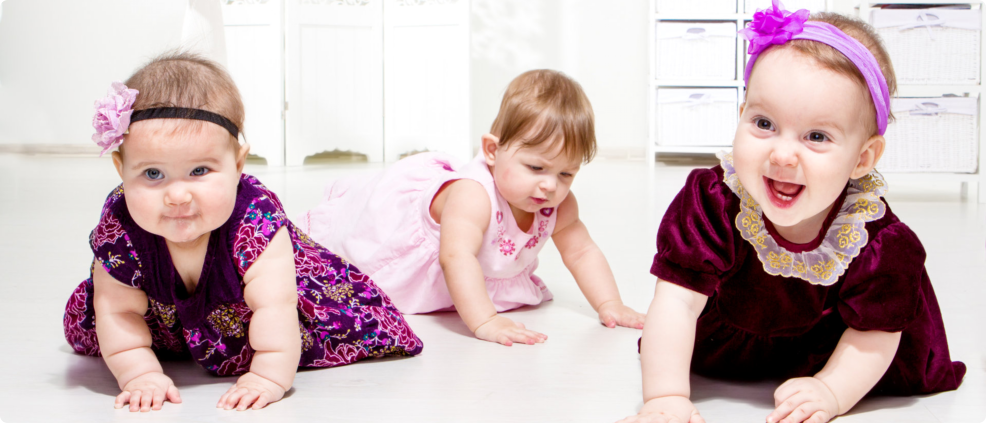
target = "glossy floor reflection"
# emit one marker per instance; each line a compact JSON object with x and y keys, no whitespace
{"x":584,"y":373}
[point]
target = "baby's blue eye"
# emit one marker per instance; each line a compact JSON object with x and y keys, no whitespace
{"x":153,"y":174}
{"x":817,"y":137}
{"x":199,"y":171}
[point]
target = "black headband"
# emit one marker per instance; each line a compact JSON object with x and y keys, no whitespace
{"x":184,"y":113}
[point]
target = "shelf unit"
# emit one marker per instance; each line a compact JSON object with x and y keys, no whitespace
{"x":740,"y":18}
{"x":971,"y":183}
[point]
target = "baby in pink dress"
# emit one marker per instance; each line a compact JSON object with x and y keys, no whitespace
{"x":436,"y":234}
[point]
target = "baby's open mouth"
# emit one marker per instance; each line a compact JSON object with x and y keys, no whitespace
{"x":782,"y":194}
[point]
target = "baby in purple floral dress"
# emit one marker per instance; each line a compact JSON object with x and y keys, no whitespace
{"x":195,"y":259}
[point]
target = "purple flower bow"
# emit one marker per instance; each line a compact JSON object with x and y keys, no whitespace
{"x":113,"y":116}
{"x":773,"y":26}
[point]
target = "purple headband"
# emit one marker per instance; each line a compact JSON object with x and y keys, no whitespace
{"x":776,"y":26}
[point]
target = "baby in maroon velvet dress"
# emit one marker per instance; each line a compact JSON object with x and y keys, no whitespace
{"x":784,"y":261}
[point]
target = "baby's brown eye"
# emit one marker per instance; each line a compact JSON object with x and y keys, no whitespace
{"x":764,"y":124}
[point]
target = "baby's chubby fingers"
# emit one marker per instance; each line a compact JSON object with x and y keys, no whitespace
{"x":157,"y":399}
{"x":785,"y":407}
{"x":145,"y":400}
{"x":122,"y":399}
{"x":234,"y":398}
{"x":262,"y":401}
{"x":247,"y":400}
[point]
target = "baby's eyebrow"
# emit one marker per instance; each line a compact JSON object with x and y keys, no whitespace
{"x":144,"y":163}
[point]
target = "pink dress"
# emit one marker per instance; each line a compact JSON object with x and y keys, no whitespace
{"x":382,"y":224}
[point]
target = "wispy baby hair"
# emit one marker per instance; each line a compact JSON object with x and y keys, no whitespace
{"x":182,"y":79}
{"x":541,"y":104}
{"x":833,"y":60}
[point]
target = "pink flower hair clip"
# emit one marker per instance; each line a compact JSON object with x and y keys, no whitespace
{"x":113,"y":116}
{"x":774,"y":26}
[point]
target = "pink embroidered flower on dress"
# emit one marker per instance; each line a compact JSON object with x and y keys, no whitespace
{"x":507,"y":247}
{"x":113,"y":116}
{"x":533,"y":242}
{"x":773,"y":26}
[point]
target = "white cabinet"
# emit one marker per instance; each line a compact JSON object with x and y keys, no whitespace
{"x":697,"y":70}
{"x":377,"y":77}
{"x":937,"y":56}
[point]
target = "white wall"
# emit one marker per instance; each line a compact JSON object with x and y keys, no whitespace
{"x":76,"y":48}
{"x":602,"y":44}
{"x":58,"y":56}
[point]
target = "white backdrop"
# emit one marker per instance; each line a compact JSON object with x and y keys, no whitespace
{"x":58,"y":56}
{"x":600,"y":43}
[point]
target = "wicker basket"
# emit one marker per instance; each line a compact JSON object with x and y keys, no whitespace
{"x":933,"y":135}
{"x":931,"y":46}
{"x":696,"y":6}
{"x":695,"y":50}
{"x":792,"y":5}
{"x":696,"y":116}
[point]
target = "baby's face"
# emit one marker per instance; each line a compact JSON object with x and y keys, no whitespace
{"x":533,"y":178}
{"x":800,"y":136}
{"x":180,"y":182}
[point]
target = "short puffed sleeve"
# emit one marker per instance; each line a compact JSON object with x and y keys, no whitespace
{"x":261,"y":216}
{"x":883,"y":287}
{"x":695,"y":242}
{"x":112,"y":246}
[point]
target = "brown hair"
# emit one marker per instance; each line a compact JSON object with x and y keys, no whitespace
{"x":182,"y":79}
{"x":832,"y":59}
{"x":539,"y":104}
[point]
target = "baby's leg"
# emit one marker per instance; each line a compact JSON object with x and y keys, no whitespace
{"x":80,"y":320}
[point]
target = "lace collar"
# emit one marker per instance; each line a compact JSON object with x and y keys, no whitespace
{"x":841,"y":244}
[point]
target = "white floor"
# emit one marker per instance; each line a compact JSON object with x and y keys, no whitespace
{"x":584,"y":373}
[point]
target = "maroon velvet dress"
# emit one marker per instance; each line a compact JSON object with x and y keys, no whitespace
{"x":760,"y":324}
{"x":343,"y":316}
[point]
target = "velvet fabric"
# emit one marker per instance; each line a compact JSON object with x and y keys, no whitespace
{"x":758,"y":326}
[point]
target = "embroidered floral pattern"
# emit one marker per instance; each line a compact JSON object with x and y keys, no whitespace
{"x":533,"y":242}
{"x":164,"y":312}
{"x":506,"y":246}
{"x":228,"y":320}
{"x":843,"y":240}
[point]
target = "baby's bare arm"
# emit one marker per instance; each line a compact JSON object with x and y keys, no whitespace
{"x":589,"y":267}
{"x":270,"y":290}
{"x":666,"y":352}
{"x":465,"y":217}
{"x":124,"y":339}
{"x":125,"y":343}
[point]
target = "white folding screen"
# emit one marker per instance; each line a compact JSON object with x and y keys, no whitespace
{"x":255,"y":58}
{"x":377,"y":77}
{"x":334,"y":78}
{"x":426,"y":77}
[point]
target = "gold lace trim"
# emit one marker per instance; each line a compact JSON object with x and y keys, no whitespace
{"x":843,"y":240}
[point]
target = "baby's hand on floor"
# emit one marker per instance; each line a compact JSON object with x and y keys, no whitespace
{"x":669,"y":409}
{"x":253,"y":390}
{"x":803,"y":399}
{"x":147,"y":392}
{"x":613,"y":313}
{"x":505,"y":331}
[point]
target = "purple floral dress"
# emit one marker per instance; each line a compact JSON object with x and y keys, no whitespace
{"x":344,"y":317}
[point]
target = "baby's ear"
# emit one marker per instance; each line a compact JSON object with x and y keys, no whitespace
{"x":241,"y":157}
{"x":869,"y":155}
{"x":489,"y":146}
{"x":118,"y":163}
